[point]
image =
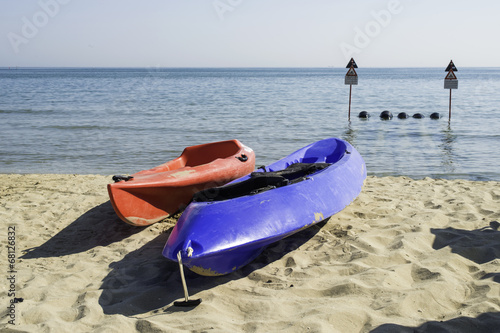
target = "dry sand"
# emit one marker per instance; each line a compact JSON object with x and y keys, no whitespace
{"x":405,"y":256}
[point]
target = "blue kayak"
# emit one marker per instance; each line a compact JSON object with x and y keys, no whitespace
{"x":225,"y":228}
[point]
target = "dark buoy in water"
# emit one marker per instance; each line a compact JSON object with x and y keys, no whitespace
{"x":386,"y":115}
{"x":403,"y":115}
{"x":364,"y":115}
{"x":435,"y":115}
{"x":418,"y":116}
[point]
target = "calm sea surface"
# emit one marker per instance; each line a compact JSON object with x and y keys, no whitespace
{"x":112,"y":121}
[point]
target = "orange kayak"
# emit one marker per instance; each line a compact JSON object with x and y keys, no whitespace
{"x":151,"y":195}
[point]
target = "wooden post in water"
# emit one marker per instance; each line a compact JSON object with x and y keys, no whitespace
{"x":450,"y":82}
{"x":351,"y":78}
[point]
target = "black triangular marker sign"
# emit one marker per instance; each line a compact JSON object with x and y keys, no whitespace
{"x":352,"y":64}
{"x":451,"y":66}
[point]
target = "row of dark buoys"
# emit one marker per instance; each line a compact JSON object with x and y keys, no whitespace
{"x":387,"y":115}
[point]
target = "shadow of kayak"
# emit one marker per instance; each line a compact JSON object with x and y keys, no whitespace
{"x":144,"y":280}
{"x":97,"y":227}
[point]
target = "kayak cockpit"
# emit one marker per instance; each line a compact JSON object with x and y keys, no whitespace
{"x":260,"y":181}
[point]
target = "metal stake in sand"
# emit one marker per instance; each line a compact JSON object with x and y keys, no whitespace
{"x":351,"y":78}
{"x":186,"y":302}
{"x":450,"y":81}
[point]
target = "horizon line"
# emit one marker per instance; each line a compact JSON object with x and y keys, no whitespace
{"x":230,"y":67}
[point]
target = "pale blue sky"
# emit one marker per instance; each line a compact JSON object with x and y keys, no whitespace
{"x":249,"y":33}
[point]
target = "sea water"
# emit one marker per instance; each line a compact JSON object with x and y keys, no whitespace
{"x":122,"y":120}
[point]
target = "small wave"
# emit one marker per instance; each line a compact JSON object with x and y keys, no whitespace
{"x":26,"y":111}
{"x":77,"y":127}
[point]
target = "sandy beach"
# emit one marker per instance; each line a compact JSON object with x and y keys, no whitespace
{"x":406,"y":256}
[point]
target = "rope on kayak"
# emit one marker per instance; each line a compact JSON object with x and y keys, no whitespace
{"x":186,"y":302}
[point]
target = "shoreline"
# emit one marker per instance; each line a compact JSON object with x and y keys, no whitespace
{"x":457,"y":178}
{"x":405,"y":254}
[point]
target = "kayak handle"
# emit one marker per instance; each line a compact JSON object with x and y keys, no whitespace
{"x":242,"y":158}
{"x":117,"y":178}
